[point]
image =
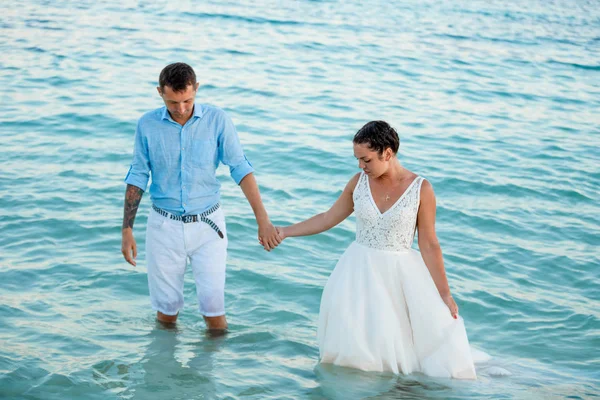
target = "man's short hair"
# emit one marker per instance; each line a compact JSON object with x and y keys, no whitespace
{"x":178,"y":76}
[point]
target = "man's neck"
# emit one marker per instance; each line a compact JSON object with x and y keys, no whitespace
{"x":182,"y":122}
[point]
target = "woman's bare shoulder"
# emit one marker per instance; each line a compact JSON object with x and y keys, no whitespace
{"x":353,"y":182}
{"x":426,"y":190}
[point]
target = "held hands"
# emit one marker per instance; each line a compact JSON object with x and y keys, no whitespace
{"x":281,"y":232}
{"x":268,"y":236}
{"x":451,"y":305}
{"x":128,"y":246}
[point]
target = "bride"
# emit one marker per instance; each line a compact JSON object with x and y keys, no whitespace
{"x":387,"y":307}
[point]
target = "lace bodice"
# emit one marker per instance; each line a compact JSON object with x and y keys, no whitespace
{"x":394,"y":229}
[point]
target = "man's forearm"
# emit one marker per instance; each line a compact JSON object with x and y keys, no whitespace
{"x":133,"y":196}
{"x":250,"y":189}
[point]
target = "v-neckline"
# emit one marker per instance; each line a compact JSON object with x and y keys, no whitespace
{"x":395,"y":203}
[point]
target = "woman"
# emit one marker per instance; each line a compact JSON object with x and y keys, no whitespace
{"x":387,"y":307}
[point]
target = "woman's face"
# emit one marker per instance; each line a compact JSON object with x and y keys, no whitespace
{"x":371,"y":161}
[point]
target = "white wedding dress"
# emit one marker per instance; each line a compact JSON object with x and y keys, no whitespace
{"x":380,"y":309}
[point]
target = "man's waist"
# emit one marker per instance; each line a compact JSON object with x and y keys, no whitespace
{"x":190,"y":218}
{"x":187,"y":217}
{"x":187,"y":208}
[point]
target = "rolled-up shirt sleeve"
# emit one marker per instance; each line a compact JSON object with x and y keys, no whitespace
{"x":139,"y":172}
{"x":231,"y":152}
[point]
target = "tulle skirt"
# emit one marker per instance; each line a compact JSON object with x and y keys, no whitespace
{"x":381,"y":311}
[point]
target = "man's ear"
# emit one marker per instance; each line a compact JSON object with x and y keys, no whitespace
{"x":159,"y":91}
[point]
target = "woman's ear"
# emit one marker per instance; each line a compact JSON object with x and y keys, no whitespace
{"x":388,"y":154}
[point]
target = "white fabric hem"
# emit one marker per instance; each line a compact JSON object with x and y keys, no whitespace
{"x":213,"y":314}
{"x":162,"y":311}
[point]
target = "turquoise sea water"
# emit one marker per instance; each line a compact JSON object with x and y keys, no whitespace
{"x":496,"y":103}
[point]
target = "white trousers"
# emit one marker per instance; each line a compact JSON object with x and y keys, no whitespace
{"x":170,"y":245}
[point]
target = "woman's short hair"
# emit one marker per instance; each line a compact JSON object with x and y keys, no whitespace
{"x":379,"y":135}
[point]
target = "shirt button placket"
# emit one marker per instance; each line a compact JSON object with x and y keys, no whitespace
{"x":182,"y":136}
{"x":183,"y":194}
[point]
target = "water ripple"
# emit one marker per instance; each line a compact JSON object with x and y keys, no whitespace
{"x":508,"y":137}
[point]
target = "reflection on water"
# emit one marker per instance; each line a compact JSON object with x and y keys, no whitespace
{"x":495,"y":104}
{"x":346,"y":383}
{"x":172,"y":366}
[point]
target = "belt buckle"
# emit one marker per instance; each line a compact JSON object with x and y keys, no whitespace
{"x":189,"y":218}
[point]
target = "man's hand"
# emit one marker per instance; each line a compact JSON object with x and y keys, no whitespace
{"x":128,"y":246}
{"x":133,"y":196}
{"x":268,"y":236}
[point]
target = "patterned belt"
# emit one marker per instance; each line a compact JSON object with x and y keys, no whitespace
{"x":193,"y":218}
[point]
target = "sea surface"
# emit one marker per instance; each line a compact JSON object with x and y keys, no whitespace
{"x":497,"y":104}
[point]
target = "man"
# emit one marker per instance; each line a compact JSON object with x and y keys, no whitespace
{"x":180,"y":145}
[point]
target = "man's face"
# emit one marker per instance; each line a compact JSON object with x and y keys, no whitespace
{"x":179,"y":104}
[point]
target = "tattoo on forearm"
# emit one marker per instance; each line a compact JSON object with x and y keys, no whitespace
{"x":133,"y":196}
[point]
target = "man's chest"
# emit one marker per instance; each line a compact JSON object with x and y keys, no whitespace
{"x":194,"y":146}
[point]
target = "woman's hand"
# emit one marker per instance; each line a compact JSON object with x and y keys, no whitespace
{"x":281,"y":232}
{"x":451,"y":305}
{"x":268,"y":236}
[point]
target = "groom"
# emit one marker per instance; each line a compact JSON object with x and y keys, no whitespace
{"x":180,"y":146}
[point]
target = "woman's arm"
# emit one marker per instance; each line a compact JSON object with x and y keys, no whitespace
{"x":430,"y":246}
{"x":341,"y":209}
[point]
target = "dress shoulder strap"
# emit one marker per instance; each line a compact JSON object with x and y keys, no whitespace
{"x":360,"y":184}
{"x":360,"y":180}
{"x":420,"y":181}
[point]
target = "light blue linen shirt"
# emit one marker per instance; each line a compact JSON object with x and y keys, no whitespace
{"x":182,"y":160}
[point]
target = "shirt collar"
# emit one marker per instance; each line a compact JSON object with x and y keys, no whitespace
{"x":165,"y":114}
{"x":198,"y":112}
